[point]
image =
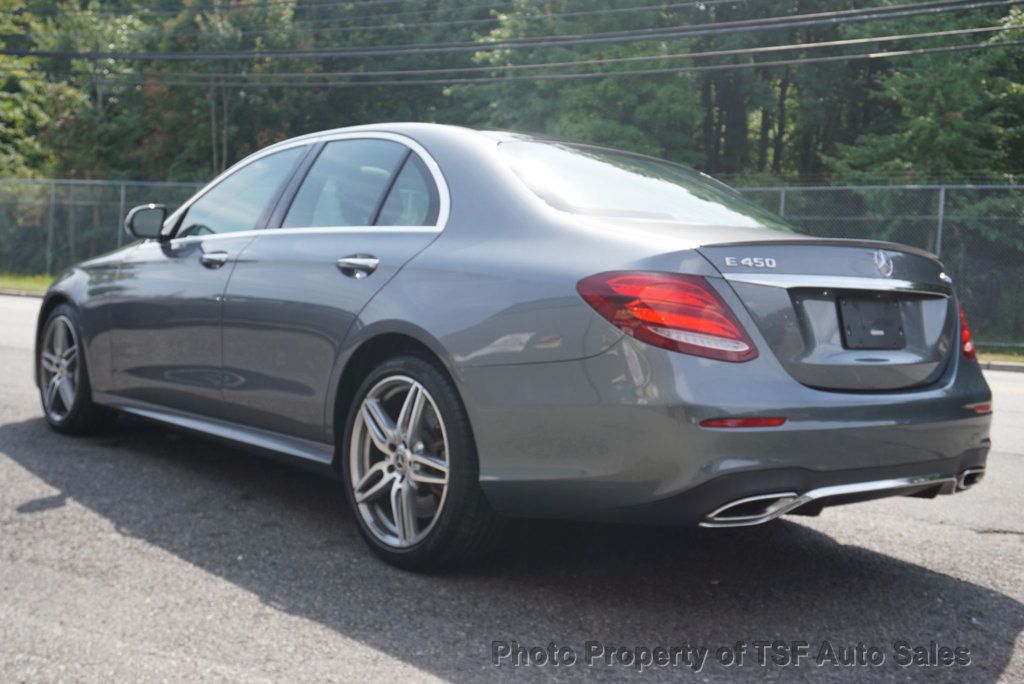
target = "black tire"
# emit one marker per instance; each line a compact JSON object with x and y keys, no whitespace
{"x":84,"y":416}
{"x":466,"y":528}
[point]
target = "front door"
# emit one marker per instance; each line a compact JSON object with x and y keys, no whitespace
{"x":166,"y":314}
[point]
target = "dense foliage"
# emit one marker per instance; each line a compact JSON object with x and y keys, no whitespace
{"x":939,"y":116}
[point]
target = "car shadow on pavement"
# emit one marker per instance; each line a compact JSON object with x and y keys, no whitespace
{"x":287,"y":537}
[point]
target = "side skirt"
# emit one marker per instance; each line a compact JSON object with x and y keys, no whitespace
{"x":307,"y":453}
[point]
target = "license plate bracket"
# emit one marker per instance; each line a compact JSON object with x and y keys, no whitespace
{"x":871,"y":322}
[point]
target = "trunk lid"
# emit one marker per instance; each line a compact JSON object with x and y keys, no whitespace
{"x":845,"y":315}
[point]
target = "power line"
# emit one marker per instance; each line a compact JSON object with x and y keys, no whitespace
{"x":718,"y":28}
{"x":359,"y":28}
{"x":243,"y":7}
{"x":582,"y":75}
{"x":255,"y":77}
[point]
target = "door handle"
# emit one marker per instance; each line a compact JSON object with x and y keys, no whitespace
{"x":214,"y":259}
{"x":358,"y":265}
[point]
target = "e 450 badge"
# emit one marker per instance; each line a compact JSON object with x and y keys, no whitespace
{"x":751,"y":262}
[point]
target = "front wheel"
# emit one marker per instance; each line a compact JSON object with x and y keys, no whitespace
{"x":64,"y":377}
{"x":411,"y":471}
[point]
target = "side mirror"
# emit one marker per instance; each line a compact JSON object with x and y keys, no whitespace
{"x":145,"y":221}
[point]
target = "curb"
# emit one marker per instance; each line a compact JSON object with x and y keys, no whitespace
{"x":21,"y":293}
{"x":1003,"y":366}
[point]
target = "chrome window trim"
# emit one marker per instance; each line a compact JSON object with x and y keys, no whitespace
{"x":173,"y":219}
{"x":827,"y":282}
{"x":443,"y":193}
{"x":440,"y":184}
{"x":306,"y":231}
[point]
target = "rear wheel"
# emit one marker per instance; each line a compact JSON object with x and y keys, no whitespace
{"x":64,"y":378}
{"x":411,"y":470}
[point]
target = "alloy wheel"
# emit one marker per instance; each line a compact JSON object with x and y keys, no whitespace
{"x":399,"y":461}
{"x":59,"y":368}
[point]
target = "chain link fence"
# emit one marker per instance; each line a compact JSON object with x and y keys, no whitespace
{"x":978,"y":230}
{"x":47,"y":225}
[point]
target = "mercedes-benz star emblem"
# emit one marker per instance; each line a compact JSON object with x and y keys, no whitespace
{"x":883,"y":262}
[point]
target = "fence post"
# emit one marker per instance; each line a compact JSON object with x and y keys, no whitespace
{"x":120,"y":217}
{"x":782,"y":201}
{"x":941,"y":220}
{"x":49,"y":228}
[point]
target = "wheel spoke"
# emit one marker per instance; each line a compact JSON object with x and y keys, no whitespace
{"x":432,"y":470}
{"x":403,"y":507}
{"x":67,"y":393}
{"x":412,"y":411}
{"x":48,"y":360}
{"x":378,"y":424}
{"x":51,"y":391}
{"x":373,"y":483}
{"x":60,"y":337}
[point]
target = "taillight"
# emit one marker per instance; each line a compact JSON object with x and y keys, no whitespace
{"x":678,"y":312}
{"x":966,"y":343}
{"x":742,"y":422}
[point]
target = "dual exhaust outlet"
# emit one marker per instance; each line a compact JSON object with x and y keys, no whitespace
{"x":756,"y":510}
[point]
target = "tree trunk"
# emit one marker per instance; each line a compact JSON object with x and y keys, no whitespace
{"x":734,"y":117}
{"x":709,"y":128}
{"x":213,"y":128}
{"x":224,"y":128}
{"x":780,"y":123}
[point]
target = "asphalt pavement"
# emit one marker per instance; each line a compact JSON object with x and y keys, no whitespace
{"x":145,"y":554}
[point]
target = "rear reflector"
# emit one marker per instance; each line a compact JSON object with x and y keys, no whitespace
{"x":966,"y":342}
{"x":742,"y":422}
{"x":982,"y":408}
{"x":678,"y":312}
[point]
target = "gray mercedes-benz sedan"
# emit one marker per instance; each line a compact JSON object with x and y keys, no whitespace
{"x":465,"y":326}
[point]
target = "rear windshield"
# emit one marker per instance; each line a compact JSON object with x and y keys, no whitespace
{"x":595,"y":181}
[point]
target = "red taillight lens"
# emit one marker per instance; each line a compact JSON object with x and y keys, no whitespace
{"x":742,"y":422}
{"x":678,"y":312}
{"x":966,"y":343}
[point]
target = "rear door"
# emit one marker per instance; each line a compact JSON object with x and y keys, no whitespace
{"x":366,"y":205}
{"x":166,"y":312}
{"x":846,"y":315}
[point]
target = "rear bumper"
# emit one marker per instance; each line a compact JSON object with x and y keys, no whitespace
{"x":617,"y":436}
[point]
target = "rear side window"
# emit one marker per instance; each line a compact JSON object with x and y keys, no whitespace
{"x":593,"y":181}
{"x":238,"y":201}
{"x":413,"y":199}
{"x":346,"y":184}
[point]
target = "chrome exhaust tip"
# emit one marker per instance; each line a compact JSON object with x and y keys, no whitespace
{"x":755,"y":510}
{"x":968,"y":478}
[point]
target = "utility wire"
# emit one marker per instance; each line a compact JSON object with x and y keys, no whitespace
{"x":199,"y":7}
{"x":581,"y":75}
{"x":401,"y":26}
{"x":718,"y":28}
{"x":589,"y":62}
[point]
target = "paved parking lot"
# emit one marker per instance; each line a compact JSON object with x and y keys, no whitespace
{"x":149,"y":555}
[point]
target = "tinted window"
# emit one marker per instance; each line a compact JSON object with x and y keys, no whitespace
{"x":346,"y":183}
{"x":413,"y":199}
{"x":237,"y":202}
{"x":601,"y":182}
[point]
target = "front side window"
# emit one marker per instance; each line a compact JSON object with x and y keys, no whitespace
{"x":345,"y":185}
{"x":593,"y":181}
{"x":238,"y":201}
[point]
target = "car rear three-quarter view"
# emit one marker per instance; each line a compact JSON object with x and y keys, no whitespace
{"x":466,"y":326}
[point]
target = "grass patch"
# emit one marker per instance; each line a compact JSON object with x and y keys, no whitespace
{"x":25,"y":283}
{"x":986,"y":353}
